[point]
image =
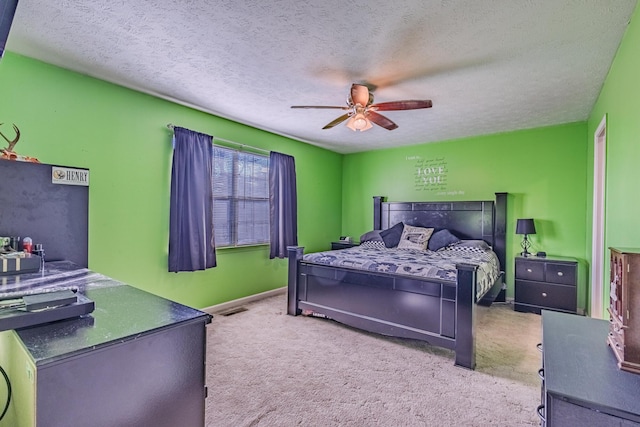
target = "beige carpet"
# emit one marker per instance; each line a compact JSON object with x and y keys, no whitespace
{"x":265,"y":368}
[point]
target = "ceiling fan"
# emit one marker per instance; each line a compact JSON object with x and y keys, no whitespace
{"x":362,"y":111}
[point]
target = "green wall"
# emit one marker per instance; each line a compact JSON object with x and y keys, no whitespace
{"x":121,"y":136}
{"x":543,"y":170}
{"x":70,"y":119}
{"x":619,"y":100}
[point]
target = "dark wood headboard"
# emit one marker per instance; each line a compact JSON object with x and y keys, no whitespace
{"x":482,"y":220}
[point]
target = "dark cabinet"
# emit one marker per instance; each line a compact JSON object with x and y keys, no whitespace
{"x":546,"y":283}
{"x":581,"y":383}
{"x":137,"y":360}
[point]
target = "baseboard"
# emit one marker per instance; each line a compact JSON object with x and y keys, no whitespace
{"x":218,"y":308}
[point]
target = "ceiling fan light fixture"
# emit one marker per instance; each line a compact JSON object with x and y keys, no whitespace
{"x":359,"y":122}
{"x":362,"y":113}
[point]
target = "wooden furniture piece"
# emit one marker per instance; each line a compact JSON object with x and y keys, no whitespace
{"x":582,"y":386}
{"x":137,"y":360}
{"x":440,"y":312}
{"x":624,"y":307}
{"x":546,"y":283}
{"x":342,"y":245}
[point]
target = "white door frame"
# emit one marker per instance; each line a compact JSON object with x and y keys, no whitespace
{"x":597,"y":244}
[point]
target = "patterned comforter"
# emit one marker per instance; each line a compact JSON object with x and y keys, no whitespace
{"x":439,"y":265}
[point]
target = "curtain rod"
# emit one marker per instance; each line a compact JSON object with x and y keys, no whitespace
{"x":171,"y":126}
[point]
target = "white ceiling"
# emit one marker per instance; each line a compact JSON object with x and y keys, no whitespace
{"x":488,"y":66}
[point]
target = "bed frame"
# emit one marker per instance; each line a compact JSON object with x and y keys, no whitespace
{"x":439,"y":312}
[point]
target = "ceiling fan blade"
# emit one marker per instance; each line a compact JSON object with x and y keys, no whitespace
{"x":337,"y":121}
{"x":403,"y":105}
{"x":381,"y":120}
{"x":320,"y":106}
{"x":360,"y":94}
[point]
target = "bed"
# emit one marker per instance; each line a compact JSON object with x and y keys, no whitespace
{"x":438,"y":307}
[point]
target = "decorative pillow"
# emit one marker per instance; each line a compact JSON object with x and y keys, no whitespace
{"x":373,"y":235}
{"x":374,"y":244}
{"x":441,"y":239}
{"x":478,"y":244}
{"x":391,"y":236}
{"x":415,"y":237}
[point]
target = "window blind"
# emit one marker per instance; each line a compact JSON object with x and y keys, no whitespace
{"x":241,"y":198}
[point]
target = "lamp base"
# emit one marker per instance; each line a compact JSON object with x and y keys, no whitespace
{"x":525,"y":246}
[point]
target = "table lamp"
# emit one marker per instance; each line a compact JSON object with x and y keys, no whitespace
{"x":525,"y":226}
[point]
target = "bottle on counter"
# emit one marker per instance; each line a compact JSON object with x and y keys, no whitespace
{"x":27,"y":244}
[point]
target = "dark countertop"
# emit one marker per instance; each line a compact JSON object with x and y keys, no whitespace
{"x":121,"y":313}
{"x":580,"y":366}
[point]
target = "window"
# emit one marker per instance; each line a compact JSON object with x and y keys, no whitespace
{"x":240,"y":198}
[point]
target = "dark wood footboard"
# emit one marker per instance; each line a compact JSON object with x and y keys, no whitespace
{"x":440,"y":313}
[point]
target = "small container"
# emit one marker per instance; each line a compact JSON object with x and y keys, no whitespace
{"x":39,"y":250}
{"x":15,"y":243}
{"x":27,"y":244}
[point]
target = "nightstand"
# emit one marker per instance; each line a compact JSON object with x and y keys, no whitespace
{"x":341,"y":244}
{"x":548,"y":283}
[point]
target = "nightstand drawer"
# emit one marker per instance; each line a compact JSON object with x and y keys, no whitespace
{"x":530,"y":270}
{"x":546,"y":295}
{"x":561,"y":273}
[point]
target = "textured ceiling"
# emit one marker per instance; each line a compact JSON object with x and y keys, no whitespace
{"x":488,"y":66}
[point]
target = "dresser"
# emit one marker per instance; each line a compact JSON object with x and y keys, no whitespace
{"x":581,"y":382}
{"x":136,"y":360}
{"x":546,"y":283}
{"x":624,"y":307}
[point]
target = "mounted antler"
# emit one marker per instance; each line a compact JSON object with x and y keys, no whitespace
{"x":13,"y":142}
{"x":9,"y":154}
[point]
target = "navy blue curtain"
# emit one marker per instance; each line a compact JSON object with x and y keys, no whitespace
{"x":191,"y":243}
{"x":283,"y":204}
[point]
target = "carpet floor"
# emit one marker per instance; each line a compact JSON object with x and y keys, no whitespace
{"x":265,"y":368}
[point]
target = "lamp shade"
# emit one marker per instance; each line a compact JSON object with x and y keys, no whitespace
{"x":525,"y":226}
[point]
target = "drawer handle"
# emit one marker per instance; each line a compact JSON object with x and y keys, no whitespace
{"x":541,"y":373}
{"x":539,"y":346}
{"x":529,"y":270}
{"x":544,"y":294}
{"x":560,"y":273}
{"x":539,"y":410}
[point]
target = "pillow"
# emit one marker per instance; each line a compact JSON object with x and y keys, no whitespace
{"x":391,"y":236}
{"x":441,"y":239}
{"x":373,"y":235}
{"x":373,"y":244}
{"x":415,"y":238}
{"x":478,"y":244}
